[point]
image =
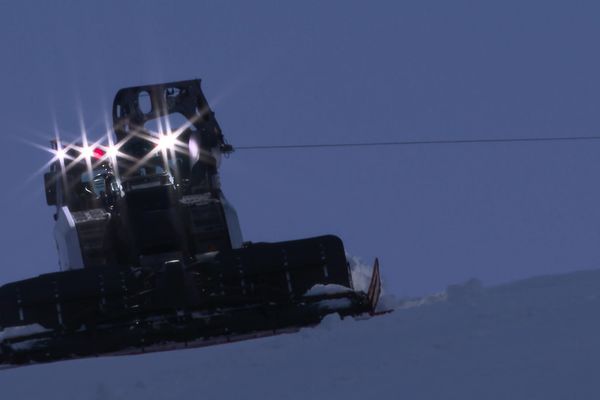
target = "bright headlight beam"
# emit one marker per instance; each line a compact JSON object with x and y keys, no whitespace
{"x":167,"y":142}
{"x":60,"y":154}
{"x":87,"y":152}
{"x":112,"y":151}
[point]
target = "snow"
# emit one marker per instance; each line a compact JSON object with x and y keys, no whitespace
{"x":361,"y":273}
{"x":361,"y":278}
{"x":321,"y":290}
{"x":533,"y":339}
{"x":24,"y":330}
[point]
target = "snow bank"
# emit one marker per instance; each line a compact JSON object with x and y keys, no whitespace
{"x":533,"y":339}
{"x":468,"y":291}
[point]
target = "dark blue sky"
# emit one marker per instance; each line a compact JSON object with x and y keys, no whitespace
{"x":319,"y":72}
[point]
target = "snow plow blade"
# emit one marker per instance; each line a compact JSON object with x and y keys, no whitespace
{"x":258,"y":290}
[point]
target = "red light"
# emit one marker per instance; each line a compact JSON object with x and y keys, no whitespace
{"x":98,"y":152}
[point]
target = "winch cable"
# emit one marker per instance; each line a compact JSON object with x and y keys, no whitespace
{"x":419,"y":142}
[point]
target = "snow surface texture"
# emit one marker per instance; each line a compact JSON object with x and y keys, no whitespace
{"x":533,"y":339}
